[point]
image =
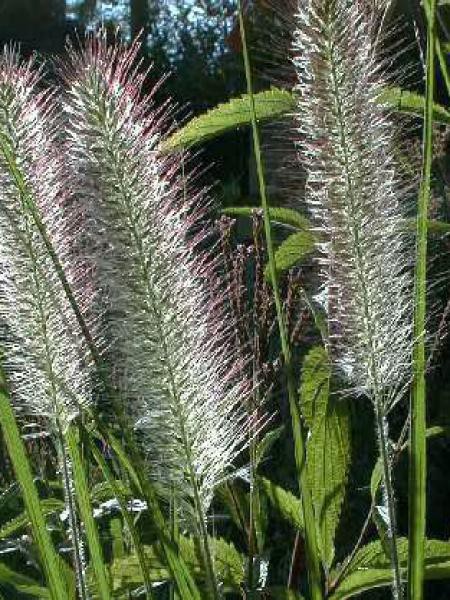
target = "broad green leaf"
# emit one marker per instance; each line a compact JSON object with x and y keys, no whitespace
{"x":315,"y":385}
{"x":229,"y":564}
{"x":13,"y":527}
{"x":270,"y":104}
{"x":288,"y":505}
{"x":273,"y":104}
{"x":371,"y":567}
{"x":412,"y":103}
{"x":23,"y":584}
{"x":278,"y":215}
{"x":265,"y":444}
{"x":294,"y":248}
{"x":328,"y":447}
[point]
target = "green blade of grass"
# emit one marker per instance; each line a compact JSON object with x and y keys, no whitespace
{"x":417,"y":446}
{"x":85,"y":507}
{"x":22,"y":469}
{"x":311,"y":546}
{"x":186,"y":585}
{"x":440,"y":51}
{"x":109,"y":477}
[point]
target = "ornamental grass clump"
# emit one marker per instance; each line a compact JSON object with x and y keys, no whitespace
{"x":127,"y":347}
{"x":348,"y":143}
{"x":165,"y":316}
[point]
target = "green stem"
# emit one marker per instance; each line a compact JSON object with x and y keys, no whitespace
{"x":85,"y":506}
{"x":311,"y":547}
{"x":174,"y":532}
{"x":383,"y":441}
{"x":79,"y":562}
{"x":109,"y":477}
{"x":16,"y":449}
{"x":417,"y":447}
{"x":431,"y":20}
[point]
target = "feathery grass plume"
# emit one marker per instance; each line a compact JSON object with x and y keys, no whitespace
{"x":165,"y":312}
{"x":348,"y":143}
{"x":44,"y":355}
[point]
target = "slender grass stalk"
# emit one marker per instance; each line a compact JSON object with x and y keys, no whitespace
{"x":431,"y":20}
{"x":417,"y":445}
{"x":78,"y":550}
{"x":109,"y":477}
{"x":85,"y":506}
{"x":253,"y":516}
{"x":312,"y":552}
{"x":16,"y":449}
{"x":174,"y":532}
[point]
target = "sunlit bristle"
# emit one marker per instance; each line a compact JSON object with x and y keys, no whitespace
{"x":355,"y":195}
{"x":45,"y":359}
{"x":164,"y":311}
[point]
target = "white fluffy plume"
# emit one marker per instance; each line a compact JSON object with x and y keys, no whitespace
{"x":45,"y":359}
{"x":348,"y":144}
{"x":164,"y":315}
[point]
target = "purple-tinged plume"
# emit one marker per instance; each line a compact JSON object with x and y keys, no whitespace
{"x":44,"y":354}
{"x":45,"y":359}
{"x":165,"y":317}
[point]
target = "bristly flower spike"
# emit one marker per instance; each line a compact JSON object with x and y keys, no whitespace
{"x":348,"y":145}
{"x":165,"y":313}
{"x":45,"y":359}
